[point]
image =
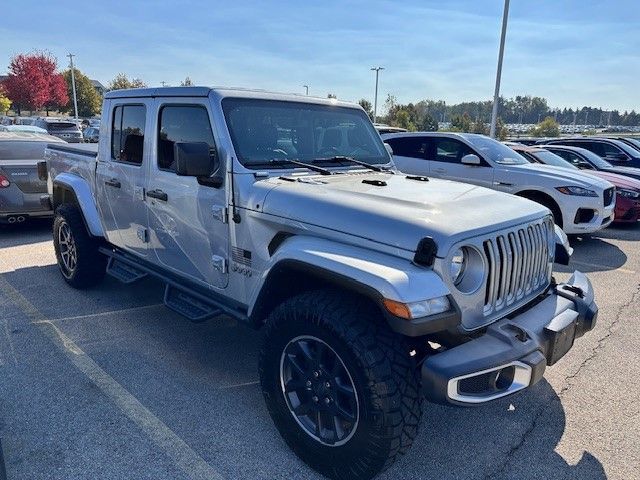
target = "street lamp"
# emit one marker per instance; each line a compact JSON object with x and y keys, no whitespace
{"x":375,"y":99}
{"x":306,"y":88}
{"x":496,"y":94}
{"x":73,"y":86}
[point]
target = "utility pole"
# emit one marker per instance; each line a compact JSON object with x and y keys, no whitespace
{"x":306,"y":88}
{"x":73,"y":86}
{"x":496,"y":93}
{"x":586,"y":118}
{"x":375,"y":98}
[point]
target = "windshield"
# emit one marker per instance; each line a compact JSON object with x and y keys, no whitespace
{"x":549,"y":158}
{"x":262,"y":130}
{"x":595,"y":159}
{"x":496,"y":151}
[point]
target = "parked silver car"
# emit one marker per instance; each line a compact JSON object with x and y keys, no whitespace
{"x":67,"y":130}
{"x":91,"y":134}
{"x":20,"y":187}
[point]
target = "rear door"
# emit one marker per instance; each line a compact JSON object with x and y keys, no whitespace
{"x":121,"y":174}
{"x":445,"y":160}
{"x":410,"y":154}
{"x":186,"y":217}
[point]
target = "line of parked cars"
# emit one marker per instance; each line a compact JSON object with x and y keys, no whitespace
{"x":382,"y":275}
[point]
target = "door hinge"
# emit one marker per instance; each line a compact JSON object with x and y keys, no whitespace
{"x":220,"y":213}
{"x":219,"y":263}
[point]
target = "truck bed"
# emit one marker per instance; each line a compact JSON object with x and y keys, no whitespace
{"x":79,"y":159}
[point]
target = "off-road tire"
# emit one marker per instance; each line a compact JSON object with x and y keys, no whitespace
{"x":90,"y":265}
{"x":385,"y":377}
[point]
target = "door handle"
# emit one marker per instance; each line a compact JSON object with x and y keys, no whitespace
{"x":439,"y":170}
{"x":157,"y":194}
{"x":112,"y":182}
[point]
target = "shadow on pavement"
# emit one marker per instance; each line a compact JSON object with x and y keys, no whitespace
{"x":31,"y":231}
{"x":200,"y":380}
{"x":593,"y":254}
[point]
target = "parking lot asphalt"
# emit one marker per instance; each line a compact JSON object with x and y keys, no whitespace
{"x":109,"y":384}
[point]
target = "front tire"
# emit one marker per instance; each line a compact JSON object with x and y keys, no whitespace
{"x":341,"y":387}
{"x":80,"y":262}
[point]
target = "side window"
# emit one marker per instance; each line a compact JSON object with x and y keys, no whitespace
{"x":127,"y":133}
{"x":414,"y":147}
{"x":181,"y":123}
{"x":610,"y":150}
{"x":449,"y":150}
{"x":595,"y":147}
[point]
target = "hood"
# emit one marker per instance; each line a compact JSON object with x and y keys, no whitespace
{"x":398,"y":212}
{"x":630,"y":171}
{"x":619,"y":181}
{"x":563,"y":176}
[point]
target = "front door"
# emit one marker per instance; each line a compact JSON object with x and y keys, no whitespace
{"x":121,"y":175}
{"x":186,"y":218}
{"x":445,"y":161}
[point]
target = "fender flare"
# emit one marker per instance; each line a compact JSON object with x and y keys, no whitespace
{"x":374,"y":274}
{"x":81,"y":190}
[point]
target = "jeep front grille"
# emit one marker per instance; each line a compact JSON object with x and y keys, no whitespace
{"x":519,"y":264}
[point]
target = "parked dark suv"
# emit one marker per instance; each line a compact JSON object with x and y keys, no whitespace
{"x":613,"y":151}
{"x":64,"y":129}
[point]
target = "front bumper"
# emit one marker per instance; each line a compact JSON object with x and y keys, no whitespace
{"x":586,"y":214}
{"x":627,"y":210}
{"x":513,"y":353}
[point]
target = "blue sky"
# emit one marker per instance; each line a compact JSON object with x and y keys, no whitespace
{"x":572,"y":52}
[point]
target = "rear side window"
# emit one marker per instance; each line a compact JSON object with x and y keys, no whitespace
{"x":602,"y":149}
{"x":181,"y":123}
{"x":414,"y":147}
{"x":127,"y":133}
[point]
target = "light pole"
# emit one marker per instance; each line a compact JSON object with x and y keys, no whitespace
{"x":306,"y":89}
{"x":73,"y":86}
{"x":375,"y":98}
{"x":496,"y":93}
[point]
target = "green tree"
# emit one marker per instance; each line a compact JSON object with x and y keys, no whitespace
{"x":89,"y":100}
{"x":403,"y":120}
{"x":479,"y":127}
{"x":429,"y":124}
{"x":5,"y":103}
{"x":366,"y":106}
{"x":546,"y":128}
{"x":461,"y":123}
{"x":502,"y":132}
{"x":121,"y":82}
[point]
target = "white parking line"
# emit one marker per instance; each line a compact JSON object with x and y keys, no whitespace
{"x":99,"y":314}
{"x":185,"y":458}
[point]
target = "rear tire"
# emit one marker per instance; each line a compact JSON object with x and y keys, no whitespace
{"x":80,"y":262}
{"x":324,"y":339}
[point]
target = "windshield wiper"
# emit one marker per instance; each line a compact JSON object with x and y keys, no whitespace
{"x":344,"y":158}
{"x":291,"y":161}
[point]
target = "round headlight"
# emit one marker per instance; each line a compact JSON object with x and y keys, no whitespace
{"x":457,"y":266}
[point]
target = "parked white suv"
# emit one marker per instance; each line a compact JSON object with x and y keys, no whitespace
{"x":579,"y":202}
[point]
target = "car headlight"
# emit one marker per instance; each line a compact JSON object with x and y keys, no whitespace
{"x":578,"y":191}
{"x":628,"y":193}
{"x":424,"y":308}
{"x":456,"y":267}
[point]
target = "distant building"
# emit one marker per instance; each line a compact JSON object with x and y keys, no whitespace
{"x":99,"y":87}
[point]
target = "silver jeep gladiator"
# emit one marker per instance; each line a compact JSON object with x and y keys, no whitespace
{"x":375,"y":289}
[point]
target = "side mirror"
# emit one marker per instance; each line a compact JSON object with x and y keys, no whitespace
{"x":389,"y":149}
{"x":584,"y":166}
{"x":471,"y":159}
{"x":195,"y":159}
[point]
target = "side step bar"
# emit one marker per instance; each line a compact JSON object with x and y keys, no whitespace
{"x":188,"y":305}
{"x":124,"y":272}
{"x":195,"y":304}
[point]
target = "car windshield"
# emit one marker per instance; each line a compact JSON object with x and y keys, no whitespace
{"x":263,"y":130}
{"x":549,"y":158}
{"x":634,"y":142}
{"x":595,"y":159}
{"x":496,"y":151}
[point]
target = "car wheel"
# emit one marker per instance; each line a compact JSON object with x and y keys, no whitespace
{"x":79,"y":260}
{"x":341,"y":387}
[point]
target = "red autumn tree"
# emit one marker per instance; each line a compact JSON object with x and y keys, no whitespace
{"x":33,"y":82}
